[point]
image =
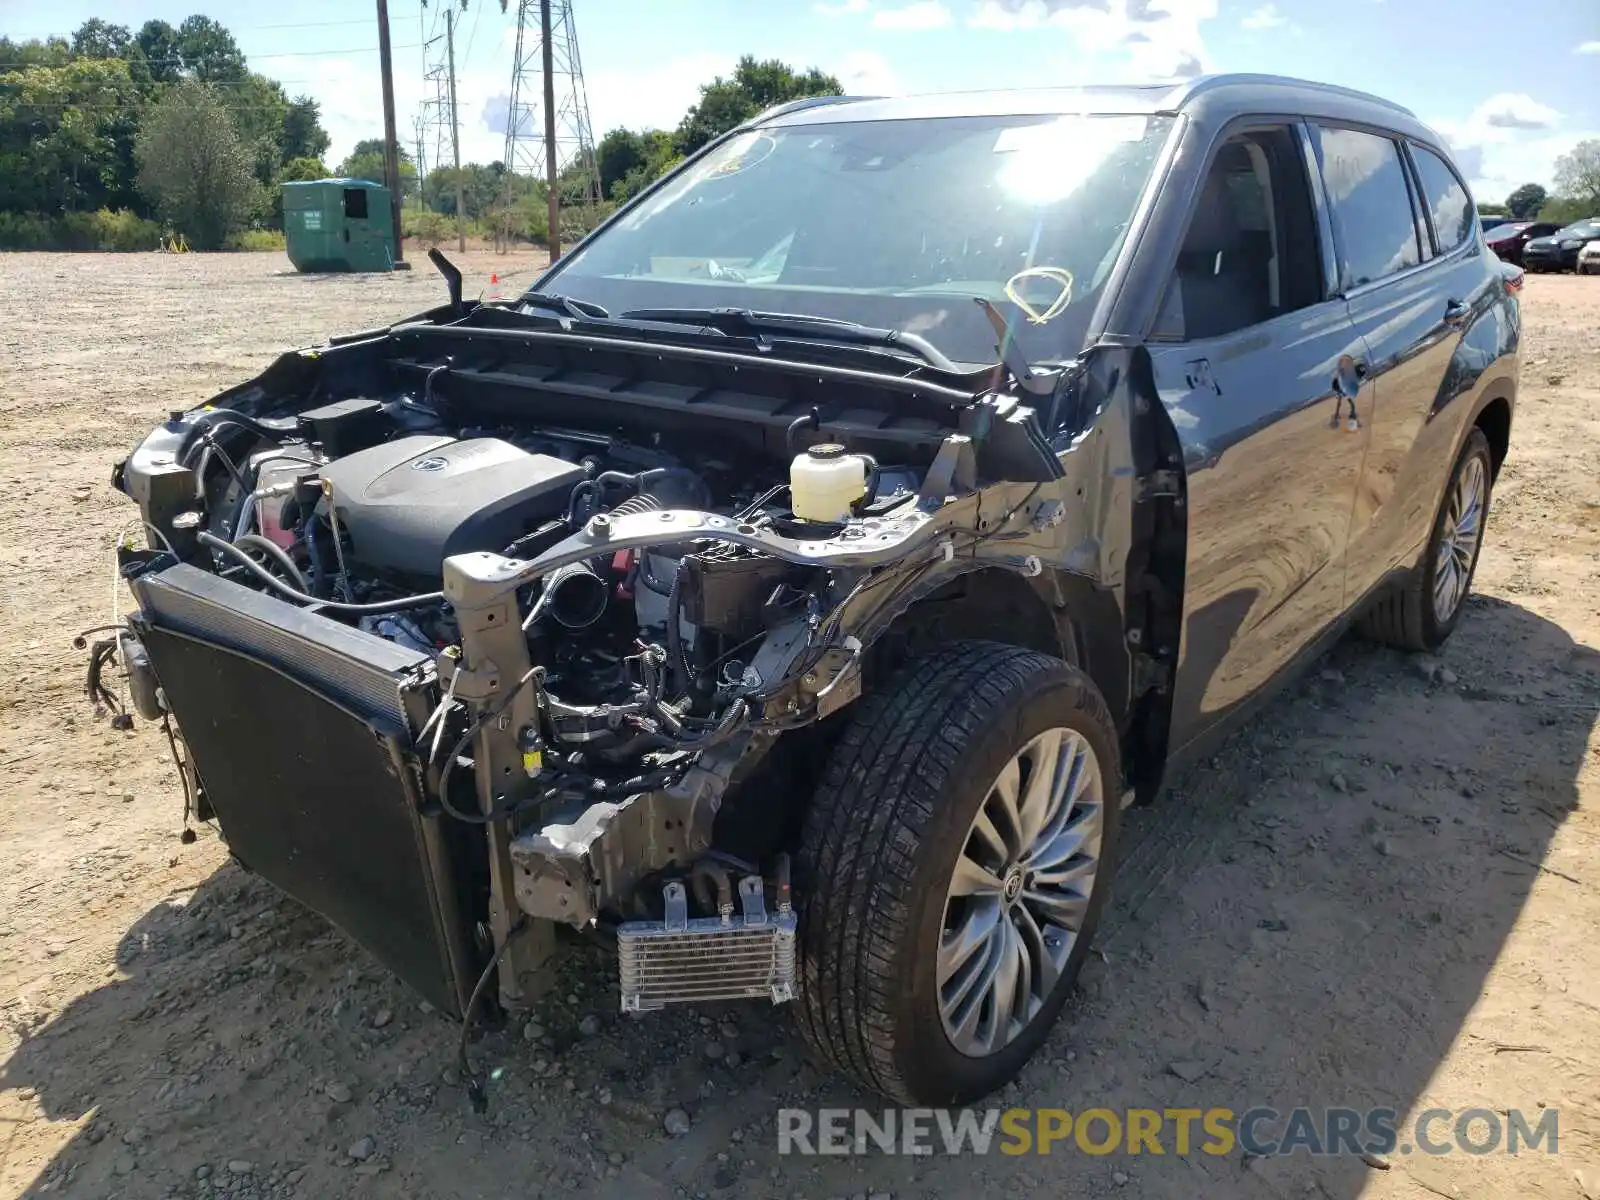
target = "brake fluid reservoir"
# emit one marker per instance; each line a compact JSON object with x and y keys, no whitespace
{"x":825,"y":481}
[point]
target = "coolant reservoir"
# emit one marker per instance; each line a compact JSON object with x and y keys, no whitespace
{"x":825,"y":481}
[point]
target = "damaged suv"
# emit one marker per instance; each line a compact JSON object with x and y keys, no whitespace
{"x":793,"y":586}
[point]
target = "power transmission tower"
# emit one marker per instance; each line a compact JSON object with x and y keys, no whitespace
{"x":547,"y":124}
{"x":441,"y":120}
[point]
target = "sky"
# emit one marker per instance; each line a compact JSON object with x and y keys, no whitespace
{"x":1510,"y":87}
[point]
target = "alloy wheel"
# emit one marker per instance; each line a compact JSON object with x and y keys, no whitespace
{"x":1460,"y":537}
{"x":1020,"y":891}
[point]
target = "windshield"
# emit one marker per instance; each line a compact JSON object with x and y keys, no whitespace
{"x":896,"y":224}
{"x":1504,"y":230}
{"x":1581,"y":229}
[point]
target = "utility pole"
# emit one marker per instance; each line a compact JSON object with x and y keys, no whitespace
{"x":391,"y":148}
{"x":553,"y":199}
{"x":455,"y":132}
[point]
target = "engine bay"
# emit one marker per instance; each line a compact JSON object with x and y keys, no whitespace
{"x":352,"y":508}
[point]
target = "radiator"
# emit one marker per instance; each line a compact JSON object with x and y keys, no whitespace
{"x":300,"y":729}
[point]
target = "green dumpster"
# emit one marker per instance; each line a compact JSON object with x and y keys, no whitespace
{"x":338,"y":225}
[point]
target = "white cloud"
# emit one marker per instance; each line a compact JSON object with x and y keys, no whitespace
{"x":1515,"y":110}
{"x":1587,"y":48}
{"x":1265,"y":17}
{"x":867,"y":73}
{"x":1031,"y":14}
{"x":922,"y":14}
{"x":844,"y":8}
{"x":1112,"y":40}
{"x":1506,"y":141}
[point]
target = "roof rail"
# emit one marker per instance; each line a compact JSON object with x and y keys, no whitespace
{"x":1188,"y":90}
{"x":805,"y":102}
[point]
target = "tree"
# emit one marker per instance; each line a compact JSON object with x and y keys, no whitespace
{"x":303,"y":134}
{"x":209,"y":52}
{"x":725,"y":103}
{"x":158,"y":42}
{"x":1526,"y":201}
{"x":299,"y":170}
{"x":99,"y":39}
{"x":55,"y":52}
{"x":366,"y":162}
{"x":629,"y":160}
{"x":63,"y":136}
{"x":193,"y":168}
{"x":1577,"y":176}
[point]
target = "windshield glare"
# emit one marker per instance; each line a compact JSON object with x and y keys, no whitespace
{"x":1580,"y":229}
{"x":897,"y":224}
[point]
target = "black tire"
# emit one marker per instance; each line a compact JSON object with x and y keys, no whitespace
{"x":892,"y":814}
{"x":1404,"y":617}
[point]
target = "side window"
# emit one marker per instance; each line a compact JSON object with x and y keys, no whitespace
{"x":1371,"y":203}
{"x":1445,"y":198}
{"x":1251,"y":251}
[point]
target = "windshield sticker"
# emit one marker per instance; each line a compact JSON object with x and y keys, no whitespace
{"x":747,"y":152}
{"x":1059,"y":276}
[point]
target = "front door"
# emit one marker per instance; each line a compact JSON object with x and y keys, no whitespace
{"x":1258,"y":365}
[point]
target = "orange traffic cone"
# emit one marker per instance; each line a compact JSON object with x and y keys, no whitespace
{"x":494,"y":292}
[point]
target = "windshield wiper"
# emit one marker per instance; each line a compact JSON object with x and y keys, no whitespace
{"x":555,"y":302}
{"x":737,"y":321}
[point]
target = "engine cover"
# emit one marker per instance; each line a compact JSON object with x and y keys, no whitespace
{"x":409,"y":504}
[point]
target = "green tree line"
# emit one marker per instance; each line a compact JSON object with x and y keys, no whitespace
{"x":112,"y":135}
{"x":1576,"y":197}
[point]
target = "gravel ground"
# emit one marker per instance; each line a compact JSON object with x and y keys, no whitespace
{"x":1385,"y":892}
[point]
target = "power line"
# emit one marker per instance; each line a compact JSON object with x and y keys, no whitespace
{"x":168,"y":60}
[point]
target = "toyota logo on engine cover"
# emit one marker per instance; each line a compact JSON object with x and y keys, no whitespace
{"x":430,"y":464}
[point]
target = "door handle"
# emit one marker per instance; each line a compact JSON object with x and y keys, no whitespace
{"x":1456,"y":313}
{"x":1347,"y":380}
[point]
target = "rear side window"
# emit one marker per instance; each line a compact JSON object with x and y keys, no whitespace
{"x":1445,"y":199}
{"x":1371,"y":203}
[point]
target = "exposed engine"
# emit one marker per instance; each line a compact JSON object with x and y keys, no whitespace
{"x":354,"y":509}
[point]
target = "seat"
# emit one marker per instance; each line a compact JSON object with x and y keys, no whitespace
{"x":1222,"y":271}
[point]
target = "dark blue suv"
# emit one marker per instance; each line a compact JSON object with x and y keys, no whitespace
{"x":892,"y":491}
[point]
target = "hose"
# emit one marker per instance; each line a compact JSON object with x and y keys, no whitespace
{"x":254,"y":541}
{"x":403,"y":604}
{"x":212,"y":418}
{"x":718,"y":875}
{"x":791,"y":436}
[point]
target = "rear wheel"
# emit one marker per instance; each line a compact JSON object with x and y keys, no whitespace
{"x":1422,"y":613}
{"x":957,"y":855}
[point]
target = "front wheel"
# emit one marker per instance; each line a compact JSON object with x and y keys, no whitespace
{"x":957,"y":856}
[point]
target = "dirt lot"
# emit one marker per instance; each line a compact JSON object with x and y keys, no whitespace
{"x":1387,"y":892}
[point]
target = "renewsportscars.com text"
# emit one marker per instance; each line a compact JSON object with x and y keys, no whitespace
{"x":1262,"y":1131}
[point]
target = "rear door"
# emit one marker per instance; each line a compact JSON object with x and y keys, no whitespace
{"x":1413,"y":272}
{"x":1250,"y":351}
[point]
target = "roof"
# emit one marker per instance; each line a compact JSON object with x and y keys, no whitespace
{"x":1208,"y":96}
{"x":338,"y":182}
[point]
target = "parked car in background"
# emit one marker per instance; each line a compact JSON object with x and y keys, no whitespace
{"x":1559,"y":251}
{"x":1508,"y":239}
{"x":1589,"y":259}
